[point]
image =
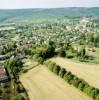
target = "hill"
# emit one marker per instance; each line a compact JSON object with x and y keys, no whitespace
{"x":53,"y":13}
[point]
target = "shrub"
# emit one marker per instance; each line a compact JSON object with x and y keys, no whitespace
{"x":68,"y":77}
{"x":62,"y":72}
{"x":17,"y":98}
{"x":46,"y":63}
{"x":61,"y":52}
{"x":86,"y":88}
{"x":35,"y":57}
{"x":75,"y":77}
{"x":91,"y":91}
{"x":40,"y":60}
{"x":81,"y":86}
{"x":51,"y":65}
{"x":96,"y":91}
{"x":97,"y":97}
{"x":56,"y":69}
{"x":76,"y":82}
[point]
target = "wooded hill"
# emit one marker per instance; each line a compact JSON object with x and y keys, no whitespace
{"x":7,"y":15}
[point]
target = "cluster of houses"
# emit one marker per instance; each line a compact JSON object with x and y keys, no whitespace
{"x":7,"y":27}
{"x":3,"y":75}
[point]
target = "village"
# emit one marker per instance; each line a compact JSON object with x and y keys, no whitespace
{"x":76,"y":39}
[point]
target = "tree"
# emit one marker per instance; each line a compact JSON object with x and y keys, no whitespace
{"x":76,"y":82}
{"x":96,"y":41}
{"x":56,"y":69}
{"x":62,"y":72}
{"x":68,"y":77}
{"x":81,"y":86}
{"x":47,"y":63}
{"x":61,"y":52}
{"x":83,"y":52}
{"x":97,"y":97}
{"x":40,"y":60}
{"x":50,"y":51}
{"x":51,"y":65}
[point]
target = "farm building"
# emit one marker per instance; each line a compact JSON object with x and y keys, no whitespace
{"x":3,"y":75}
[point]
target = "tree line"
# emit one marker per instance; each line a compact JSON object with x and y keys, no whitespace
{"x":73,"y":80}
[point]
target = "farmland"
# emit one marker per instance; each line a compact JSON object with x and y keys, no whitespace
{"x":85,"y":71}
{"x":41,"y":84}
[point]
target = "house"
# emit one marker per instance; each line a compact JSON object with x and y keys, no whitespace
{"x":3,"y":75}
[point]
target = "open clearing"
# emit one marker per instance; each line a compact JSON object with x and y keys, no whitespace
{"x":88,"y":72}
{"x":41,"y":84}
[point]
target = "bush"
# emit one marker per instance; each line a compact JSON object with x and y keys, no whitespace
{"x":46,"y":63}
{"x":40,"y":60}
{"x":96,"y":92}
{"x":61,"y":52}
{"x":18,"y":98}
{"x":91,"y":91}
{"x":51,"y":65}
{"x":76,"y":82}
{"x":86,"y":88}
{"x":97,"y":97}
{"x":35,"y":57}
{"x":68,"y":77}
{"x":56,"y":69}
{"x":62,"y":72}
{"x":81,"y":86}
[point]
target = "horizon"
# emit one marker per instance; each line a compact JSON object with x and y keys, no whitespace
{"x":44,"y":8}
{"x":30,"y":4}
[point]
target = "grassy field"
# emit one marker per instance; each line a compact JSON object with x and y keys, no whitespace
{"x":41,"y":84}
{"x":88,"y":72}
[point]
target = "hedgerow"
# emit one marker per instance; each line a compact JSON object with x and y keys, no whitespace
{"x":73,"y":80}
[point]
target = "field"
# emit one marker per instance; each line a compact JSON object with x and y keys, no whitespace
{"x":88,"y":72}
{"x":41,"y":84}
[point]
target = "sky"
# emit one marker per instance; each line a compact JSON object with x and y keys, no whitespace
{"x":17,"y":4}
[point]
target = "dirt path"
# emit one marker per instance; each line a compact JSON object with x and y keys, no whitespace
{"x":90,"y":73}
{"x":41,"y":84}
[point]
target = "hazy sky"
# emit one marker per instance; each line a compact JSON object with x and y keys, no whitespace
{"x":9,"y":4}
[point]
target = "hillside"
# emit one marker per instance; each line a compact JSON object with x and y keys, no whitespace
{"x":35,"y":14}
